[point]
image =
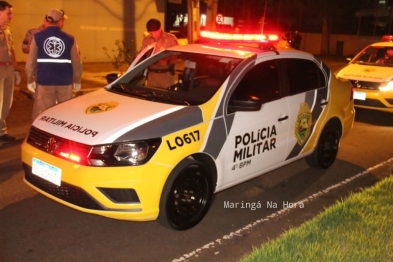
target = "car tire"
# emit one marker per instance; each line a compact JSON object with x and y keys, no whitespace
{"x":325,"y":152}
{"x":187,"y":195}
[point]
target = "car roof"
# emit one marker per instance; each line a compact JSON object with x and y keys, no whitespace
{"x":388,"y":44}
{"x":237,"y":51}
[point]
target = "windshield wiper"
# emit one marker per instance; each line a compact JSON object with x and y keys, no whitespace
{"x":147,"y":94}
{"x":120,"y":88}
{"x":165,"y":98}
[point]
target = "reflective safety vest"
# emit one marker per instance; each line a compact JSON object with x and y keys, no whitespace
{"x":54,"y":57}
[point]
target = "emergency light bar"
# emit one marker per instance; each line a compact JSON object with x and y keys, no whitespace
{"x":247,"y":38}
{"x":387,"y":38}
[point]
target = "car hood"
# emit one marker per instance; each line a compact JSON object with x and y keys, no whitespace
{"x":100,"y":117}
{"x":366,"y":73}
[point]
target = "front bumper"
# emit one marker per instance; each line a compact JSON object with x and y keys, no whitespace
{"x":375,"y":100}
{"x":127,"y":193}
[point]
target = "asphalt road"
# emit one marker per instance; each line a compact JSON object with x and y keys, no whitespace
{"x":34,"y":228}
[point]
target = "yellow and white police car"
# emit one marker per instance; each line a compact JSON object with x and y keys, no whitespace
{"x":134,"y":151}
{"x":371,"y":74}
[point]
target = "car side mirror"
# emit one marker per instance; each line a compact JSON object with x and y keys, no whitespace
{"x":112,"y":77}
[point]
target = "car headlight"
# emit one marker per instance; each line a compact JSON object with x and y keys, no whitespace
{"x":386,"y":87}
{"x":123,"y":154}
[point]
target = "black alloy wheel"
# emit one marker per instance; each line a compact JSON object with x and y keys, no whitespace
{"x":326,"y":150}
{"x":187,"y":195}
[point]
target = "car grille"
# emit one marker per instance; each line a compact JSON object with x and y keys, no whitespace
{"x":66,"y":192}
{"x":54,"y":145}
{"x":369,"y":102}
{"x":389,"y":100}
{"x":366,"y":85}
{"x":120,"y":195}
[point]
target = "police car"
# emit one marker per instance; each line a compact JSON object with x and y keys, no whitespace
{"x":136,"y":152}
{"x":371,"y":73}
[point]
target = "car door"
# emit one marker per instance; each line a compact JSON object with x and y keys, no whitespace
{"x":307,"y":97}
{"x":257,"y":139}
{"x":145,"y":53}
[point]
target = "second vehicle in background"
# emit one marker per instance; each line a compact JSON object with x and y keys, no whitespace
{"x":371,"y":73}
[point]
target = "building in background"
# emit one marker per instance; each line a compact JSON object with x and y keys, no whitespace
{"x":96,"y":24}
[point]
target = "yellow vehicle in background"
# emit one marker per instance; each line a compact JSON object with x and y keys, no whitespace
{"x":371,"y":75}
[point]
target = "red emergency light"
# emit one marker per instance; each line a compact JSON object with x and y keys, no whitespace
{"x":235,"y":37}
{"x":387,"y":38}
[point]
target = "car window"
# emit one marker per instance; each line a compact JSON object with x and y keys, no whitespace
{"x":303,"y":75}
{"x":261,"y":81}
{"x":196,"y":78}
{"x":366,"y":55}
{"x":375,"y":55}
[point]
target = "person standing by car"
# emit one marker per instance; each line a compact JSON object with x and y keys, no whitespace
{"x":29,"y":37}
{"x":296,"y":40}
{"x":162,"y":74}
{"x":8,"y":66}
{"x":53,"y":64}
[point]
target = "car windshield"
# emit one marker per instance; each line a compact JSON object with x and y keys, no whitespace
{"x":179,"y":78}
{"x":375,"y":55}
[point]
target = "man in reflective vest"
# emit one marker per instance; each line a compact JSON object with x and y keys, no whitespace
{"x":53,"y":66}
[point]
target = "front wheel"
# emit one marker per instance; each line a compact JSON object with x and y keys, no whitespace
{"x":187,"y":195}
{"x":326,"y":150}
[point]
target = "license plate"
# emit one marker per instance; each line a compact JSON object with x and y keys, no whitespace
{"x":47,"y":171}
{"x":359,"y":95}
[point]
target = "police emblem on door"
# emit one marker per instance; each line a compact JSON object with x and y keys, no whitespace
{"x":303,"y":124}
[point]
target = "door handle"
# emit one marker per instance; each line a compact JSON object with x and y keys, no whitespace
{"x":324,"y":102}
{"x":283,"y":118}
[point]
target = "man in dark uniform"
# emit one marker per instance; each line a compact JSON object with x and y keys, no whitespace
{"x":54,"y":63}
{"x":8,"y":69}
{"x":162,"y":74}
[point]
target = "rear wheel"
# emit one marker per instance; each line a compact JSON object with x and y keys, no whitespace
{"x":187,"y":195}
{"x":326,"y":150}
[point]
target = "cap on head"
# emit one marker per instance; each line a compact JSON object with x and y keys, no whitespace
{"x":153,"y":25}
{"x":389,"y":52}
{"x":55,"y":15}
